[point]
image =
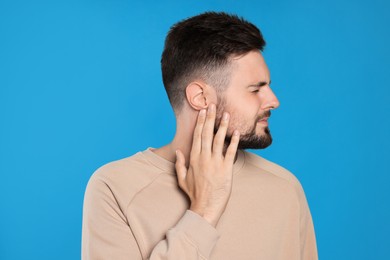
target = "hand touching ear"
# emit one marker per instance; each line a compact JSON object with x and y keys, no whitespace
{"x":208,"y":179}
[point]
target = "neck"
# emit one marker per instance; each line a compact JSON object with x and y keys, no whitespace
{"x":182,"y":140}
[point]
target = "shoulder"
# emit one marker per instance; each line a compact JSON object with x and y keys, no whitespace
{"x":277,"y":171}
{"x":126,"y":168}
{"x":123,"y":179}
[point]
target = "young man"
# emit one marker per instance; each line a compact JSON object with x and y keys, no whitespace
{"x":202,"y":196}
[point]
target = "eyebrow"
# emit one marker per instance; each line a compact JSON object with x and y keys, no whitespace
{"x":260,"y":84}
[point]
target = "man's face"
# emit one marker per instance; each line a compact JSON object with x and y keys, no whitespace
{"x":248,"y":99}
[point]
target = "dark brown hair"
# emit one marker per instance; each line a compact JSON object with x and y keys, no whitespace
{"x":200,"y":48}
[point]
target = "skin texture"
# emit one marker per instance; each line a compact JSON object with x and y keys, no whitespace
{"x":248,"y":102}
{"x":208,"y":179}
{"x":205,"y":144}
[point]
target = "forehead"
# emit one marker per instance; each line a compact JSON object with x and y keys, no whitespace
{"x":249,"y":69}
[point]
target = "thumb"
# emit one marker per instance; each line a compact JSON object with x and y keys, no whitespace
{"x":180,"y":166}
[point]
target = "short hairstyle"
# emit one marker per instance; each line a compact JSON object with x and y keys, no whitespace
{"x":200,"y":47}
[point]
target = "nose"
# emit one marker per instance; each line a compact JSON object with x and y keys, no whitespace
{"x":270,"y":101}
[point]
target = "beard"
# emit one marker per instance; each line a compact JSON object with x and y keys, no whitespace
{"x":249,"y":139}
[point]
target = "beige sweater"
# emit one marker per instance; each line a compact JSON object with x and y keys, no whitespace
{"x":134,"y":209}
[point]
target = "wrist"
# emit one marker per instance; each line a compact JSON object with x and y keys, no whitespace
{"x":212,"y":219}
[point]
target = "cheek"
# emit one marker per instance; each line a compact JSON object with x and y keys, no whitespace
{"x":243,"y":112}
{"x":239,"y":121}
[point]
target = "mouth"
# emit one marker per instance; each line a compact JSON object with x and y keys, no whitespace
{"x":263,"y":121}
{"x":264,"y":118}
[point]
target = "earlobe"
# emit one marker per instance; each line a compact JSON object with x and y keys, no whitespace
{"x":196,"y":96}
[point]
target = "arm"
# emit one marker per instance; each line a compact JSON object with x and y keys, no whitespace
{"x":308,"y":238}
{"x":107,"y":235}
{"x":207,"y":182}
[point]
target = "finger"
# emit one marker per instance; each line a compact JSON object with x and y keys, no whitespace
{"x":181,"y":169}
{"x":208,"y":129}
{"x":219,"y":139}
{"x":232,"y":149}
{"x":197,"y":137}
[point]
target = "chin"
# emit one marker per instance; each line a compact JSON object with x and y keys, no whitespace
{"x":255,"y":142}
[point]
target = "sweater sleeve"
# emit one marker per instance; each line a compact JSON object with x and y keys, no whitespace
{"x":106,"y":233}
{"x":307,"y":234}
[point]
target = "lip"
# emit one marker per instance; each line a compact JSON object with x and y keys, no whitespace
{"x":263,"y":121}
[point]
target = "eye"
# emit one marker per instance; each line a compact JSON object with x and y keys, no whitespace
{"x":255,"y":91}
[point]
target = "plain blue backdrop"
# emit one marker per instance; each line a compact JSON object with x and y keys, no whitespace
{"x":80,"y":85}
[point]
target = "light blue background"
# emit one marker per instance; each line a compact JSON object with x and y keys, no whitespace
{"x":80,"y":85}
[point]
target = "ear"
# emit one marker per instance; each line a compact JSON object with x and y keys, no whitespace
{"x":196,"y":95}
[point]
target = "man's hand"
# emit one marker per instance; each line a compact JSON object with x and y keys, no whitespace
{"x":208,"y":179}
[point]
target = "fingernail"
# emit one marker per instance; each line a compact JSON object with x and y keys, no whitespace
{"x":236,"y":132}
{"x":212,"y":107}
{"x":225,"y":116}
{"x":202,"y":112}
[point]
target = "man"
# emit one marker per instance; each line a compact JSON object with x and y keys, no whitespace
{"x":201,"y":196}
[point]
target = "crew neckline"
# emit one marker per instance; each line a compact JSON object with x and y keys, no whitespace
{"x":169,"y":167}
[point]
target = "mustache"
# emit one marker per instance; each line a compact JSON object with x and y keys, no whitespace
{"x":218,"y":120}
{"x":264,"y":115}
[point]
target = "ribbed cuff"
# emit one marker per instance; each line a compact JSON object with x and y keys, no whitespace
{"x":199,"y":231}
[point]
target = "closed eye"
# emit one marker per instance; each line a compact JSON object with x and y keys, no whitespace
{"x":256,"y":87}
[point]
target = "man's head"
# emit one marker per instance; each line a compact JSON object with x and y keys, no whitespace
{"x":215,"y":58}
{"x":200,"y":48}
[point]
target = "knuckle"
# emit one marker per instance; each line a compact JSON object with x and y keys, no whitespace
{"x":193,"y":161}
{"x":198,"y":133}
{"x":210,"y":115}
{"x":201,"y":119}
{"x":229,"y":152}
{"x":201,"y":164}
{"x":205,"y":134}
{"x":200,"y":122}
{"x":217,"y":140}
